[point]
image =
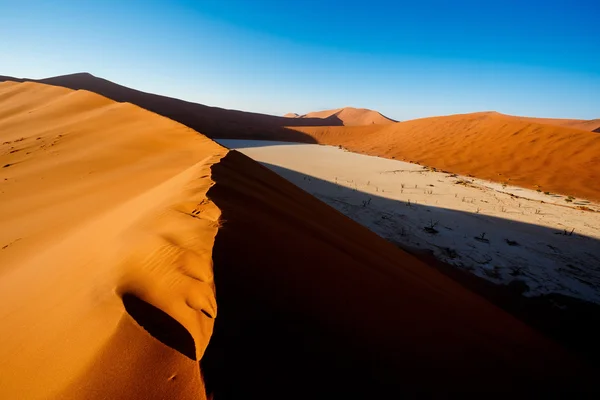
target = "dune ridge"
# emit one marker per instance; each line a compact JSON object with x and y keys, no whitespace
{"x":486,"y":145}
{"x":102,"y":202}
{"x":213,"y":122}
{"x":592,"y":125}
{"x":349,"y":116}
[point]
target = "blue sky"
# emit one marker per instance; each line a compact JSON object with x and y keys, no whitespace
{"x":405,"y":59}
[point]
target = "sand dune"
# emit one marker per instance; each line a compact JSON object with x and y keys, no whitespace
{"x":96,"y":204}
{"x":592,"y":125}
{"x":486,"y":145}
{"x":213,"y":122}
{"x":349,"y":116}
{"x":112,"y":218}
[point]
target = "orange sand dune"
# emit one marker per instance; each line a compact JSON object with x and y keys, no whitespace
{"x":592,"y":125}
{"x":214,"y":122}
{"x":485,"y":145}
{"x":349,"y":116}
{"x":112,"y":218}
{"x":97,"y":203}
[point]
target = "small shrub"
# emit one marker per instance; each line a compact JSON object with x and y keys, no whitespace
{"x":431,"y":228}
{"x":482,"y":238}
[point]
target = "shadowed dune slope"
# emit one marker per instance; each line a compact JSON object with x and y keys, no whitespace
{"x":311,"y":303}
{"x":98,"y":201}
{"x":349,"y":116}
{"x":213,"y":122}
{"x":486,"y":145}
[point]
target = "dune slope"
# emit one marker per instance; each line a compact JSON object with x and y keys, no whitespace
{"x":311,"y":303}
{"x":349,"y":116}
{"x":105,"y":227}
{"x":213,"y":122}
{"x":592,"y":125}
{"x":486,"y":145}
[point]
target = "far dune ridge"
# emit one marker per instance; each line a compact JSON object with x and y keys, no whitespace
{"x":485,"y":145}
{"x":213,"y":122}
{"x":349,"y":116}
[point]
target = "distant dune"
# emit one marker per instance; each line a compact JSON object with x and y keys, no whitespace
{"x":349,"y":116}
{"x":112,"y":219}
{"x":486,"y":145}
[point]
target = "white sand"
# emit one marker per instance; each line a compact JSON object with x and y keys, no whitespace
{"x":398,"y":201}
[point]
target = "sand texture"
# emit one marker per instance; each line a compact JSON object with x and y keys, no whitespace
{"x":105,"y":222}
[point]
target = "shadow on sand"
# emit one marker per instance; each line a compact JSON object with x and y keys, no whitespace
{"x":570,"y":321}
{"x":313,"y":305}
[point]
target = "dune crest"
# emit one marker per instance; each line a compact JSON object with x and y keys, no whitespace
{"x":213,"y":122}
{"x":592,"y":125}
{"x":104,"y":213}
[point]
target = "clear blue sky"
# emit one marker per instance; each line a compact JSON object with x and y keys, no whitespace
{"x":405,"y":59}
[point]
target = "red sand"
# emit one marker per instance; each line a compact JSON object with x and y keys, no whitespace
{"x":486,"y":145}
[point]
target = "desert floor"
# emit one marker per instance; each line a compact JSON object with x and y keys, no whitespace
{"x":505,"y":234}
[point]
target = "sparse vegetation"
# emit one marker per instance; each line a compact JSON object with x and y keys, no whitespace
{"x":431,"y":228}
{"x":566,"y":232}
{"x":450,"y":253}
{"x":493,"y":273}
{"x":482,"y":238}
{"x":512,"y":242}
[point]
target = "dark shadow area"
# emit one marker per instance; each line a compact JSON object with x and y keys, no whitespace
{"x":572,"y":322}
{"x":213,"y":122}
{"x":160,"y":325}
{"x":313,"y":305}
